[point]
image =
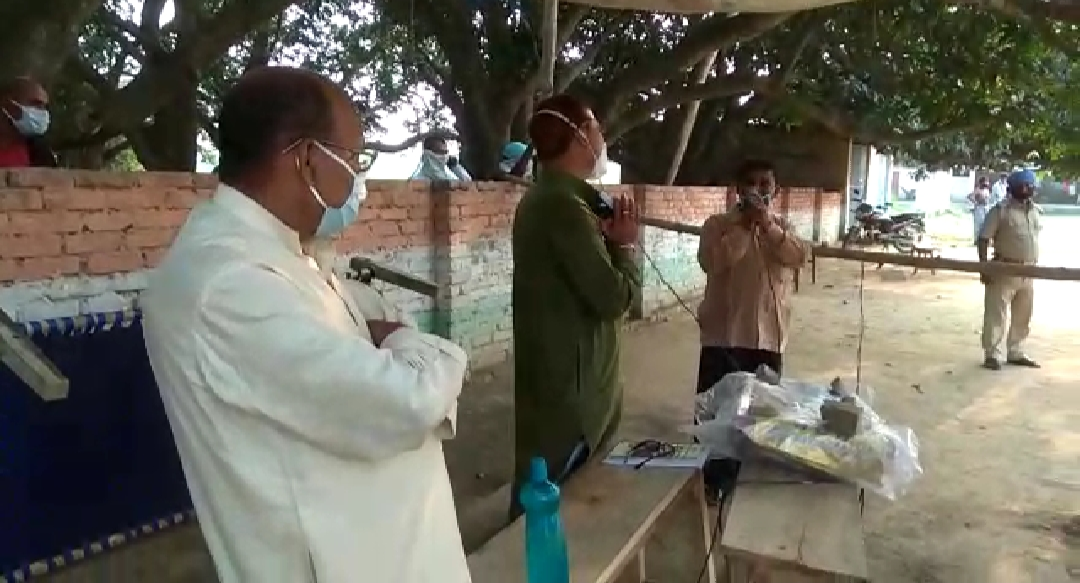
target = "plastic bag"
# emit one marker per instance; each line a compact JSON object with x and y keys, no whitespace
{"x":758,"y":415}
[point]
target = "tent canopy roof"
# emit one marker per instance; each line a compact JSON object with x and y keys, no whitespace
{"x":703,"y":6}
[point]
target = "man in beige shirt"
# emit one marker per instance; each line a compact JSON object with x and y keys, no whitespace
{"x":749,"y":256}
{"x":1012,"y":227}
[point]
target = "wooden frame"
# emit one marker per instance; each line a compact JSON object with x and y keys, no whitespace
{"x":622,"y":526}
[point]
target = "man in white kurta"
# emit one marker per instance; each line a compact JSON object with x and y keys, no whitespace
{"x":310,"y":436}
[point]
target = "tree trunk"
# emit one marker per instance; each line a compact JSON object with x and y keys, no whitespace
{"x":38,"y":35}
{"x":689,"y":120}
{"x":172,"y":138}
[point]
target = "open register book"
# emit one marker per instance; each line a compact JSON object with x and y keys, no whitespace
{"x":673,"y":455}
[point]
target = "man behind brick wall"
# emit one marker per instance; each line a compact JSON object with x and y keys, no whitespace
{"x":749,"y":256}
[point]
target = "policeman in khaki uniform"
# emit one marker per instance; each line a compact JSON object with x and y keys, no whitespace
{"x":1012,"y":227}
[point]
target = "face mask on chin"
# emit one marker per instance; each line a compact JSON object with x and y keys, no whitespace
{"x":336,"y":219}
{"x":437,"y":158}
{"x":33,"y":121}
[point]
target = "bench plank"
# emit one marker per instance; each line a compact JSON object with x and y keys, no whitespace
{"x":812,"y":528}
{"x":608,"y":514}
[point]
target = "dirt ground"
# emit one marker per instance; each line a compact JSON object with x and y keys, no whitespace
{"x":1000,"y":498}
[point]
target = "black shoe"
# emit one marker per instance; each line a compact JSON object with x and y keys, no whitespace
{"x":1023,"y":361}
{"x":992,"y":364}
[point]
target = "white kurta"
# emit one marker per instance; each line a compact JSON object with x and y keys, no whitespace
{"x":311,"y":455}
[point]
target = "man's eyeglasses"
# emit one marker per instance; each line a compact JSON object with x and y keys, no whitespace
{"x":364,"y":159}
{"x":648,"y":450}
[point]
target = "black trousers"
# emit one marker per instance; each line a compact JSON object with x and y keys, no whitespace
{"x":716,"y":362}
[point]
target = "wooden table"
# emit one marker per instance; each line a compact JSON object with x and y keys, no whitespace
{"x":610,"y":515}
{"x":782,"y":531}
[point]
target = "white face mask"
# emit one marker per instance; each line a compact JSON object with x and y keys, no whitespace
{"x":600,"y":167}
{"x":33,"y":122}
{"x":437,"y":158}
{"x":336,"y":220}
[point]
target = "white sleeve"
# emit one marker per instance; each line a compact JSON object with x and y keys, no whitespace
{"x":373,"y":305}
{"x":310,"y":376}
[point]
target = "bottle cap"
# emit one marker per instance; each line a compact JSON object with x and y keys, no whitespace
{"x":538,"y":471}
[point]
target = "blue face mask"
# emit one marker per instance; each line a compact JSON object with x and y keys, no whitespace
{"x":33,"y":122}
{"x":336,"y":220}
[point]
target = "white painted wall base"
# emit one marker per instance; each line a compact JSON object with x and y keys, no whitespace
{"x":72,"y":296}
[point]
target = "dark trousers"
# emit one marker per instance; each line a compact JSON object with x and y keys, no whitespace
{"x":714,"y":364}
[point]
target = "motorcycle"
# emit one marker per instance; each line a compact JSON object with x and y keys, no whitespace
{"x":873,"y":226}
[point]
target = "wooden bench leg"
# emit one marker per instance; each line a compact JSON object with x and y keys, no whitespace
{"x":682,"y":539}
{"x":635,"y":571}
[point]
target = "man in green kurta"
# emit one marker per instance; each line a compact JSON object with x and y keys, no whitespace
{"x":575,"y":279}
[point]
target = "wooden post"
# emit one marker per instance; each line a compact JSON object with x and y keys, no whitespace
{"x":28,"y":363}
{"x":998,"y":268}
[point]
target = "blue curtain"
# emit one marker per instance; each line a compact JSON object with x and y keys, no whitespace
{"x":101,"y":462}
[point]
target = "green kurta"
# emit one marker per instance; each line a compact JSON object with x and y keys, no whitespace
{"x":571,"y":291}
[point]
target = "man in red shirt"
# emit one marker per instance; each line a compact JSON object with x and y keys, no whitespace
{"x":24,"y":119}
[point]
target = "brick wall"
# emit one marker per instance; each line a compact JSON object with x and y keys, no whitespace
{"x":75,"y":242}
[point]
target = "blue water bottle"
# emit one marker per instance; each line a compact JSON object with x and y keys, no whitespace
{"x":546,"y":560}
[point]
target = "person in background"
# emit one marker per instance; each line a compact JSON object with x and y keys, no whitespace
{"x":999,"y":190}
{"x":980,"y":204}
{"x":436,"y":163}
{"x":1012,"y":227}
{"x":511,"y":154}
{"x":574,"y":281}
{"x":310,"y":435}
{"x":749,"y":256}
{"x":25,"y":108}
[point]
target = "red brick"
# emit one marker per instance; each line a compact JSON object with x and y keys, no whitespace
{"x":110,"y":221}
{"x":21,"y":199}
{"x":99,"y":179}
{"x":20,"y":246}
{"x":153,"y":257}
{"x":40,"y":178}
{"x":392,"y":213}
{"x":141,"y":238}
{"x":136,"y":198}
{"x":114,"y":262}
{"x":9,"y":270}
{"x":36,"y":268}
{"x":93,"y":242}
{"x":75,"y":199}
{"x":166,"y":180}
{"x":413,"y":227}
{"x":159,"y":218}
{"x":385,"y":229}
{"x":30,"y":222}
{"x":181,"y":198}
{"x":408,"y":198}
{"x":204,"y":181}
{"x":419,"y":212}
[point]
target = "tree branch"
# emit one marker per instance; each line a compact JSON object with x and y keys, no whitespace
{"x":723,"y":86}
{"x":839,"y":124}
{"x":568,"y":21}
{"x":713,"y":33}
{"x":566,"y":75}
{"x":391,"y":148}
{"x":160,"y":75}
